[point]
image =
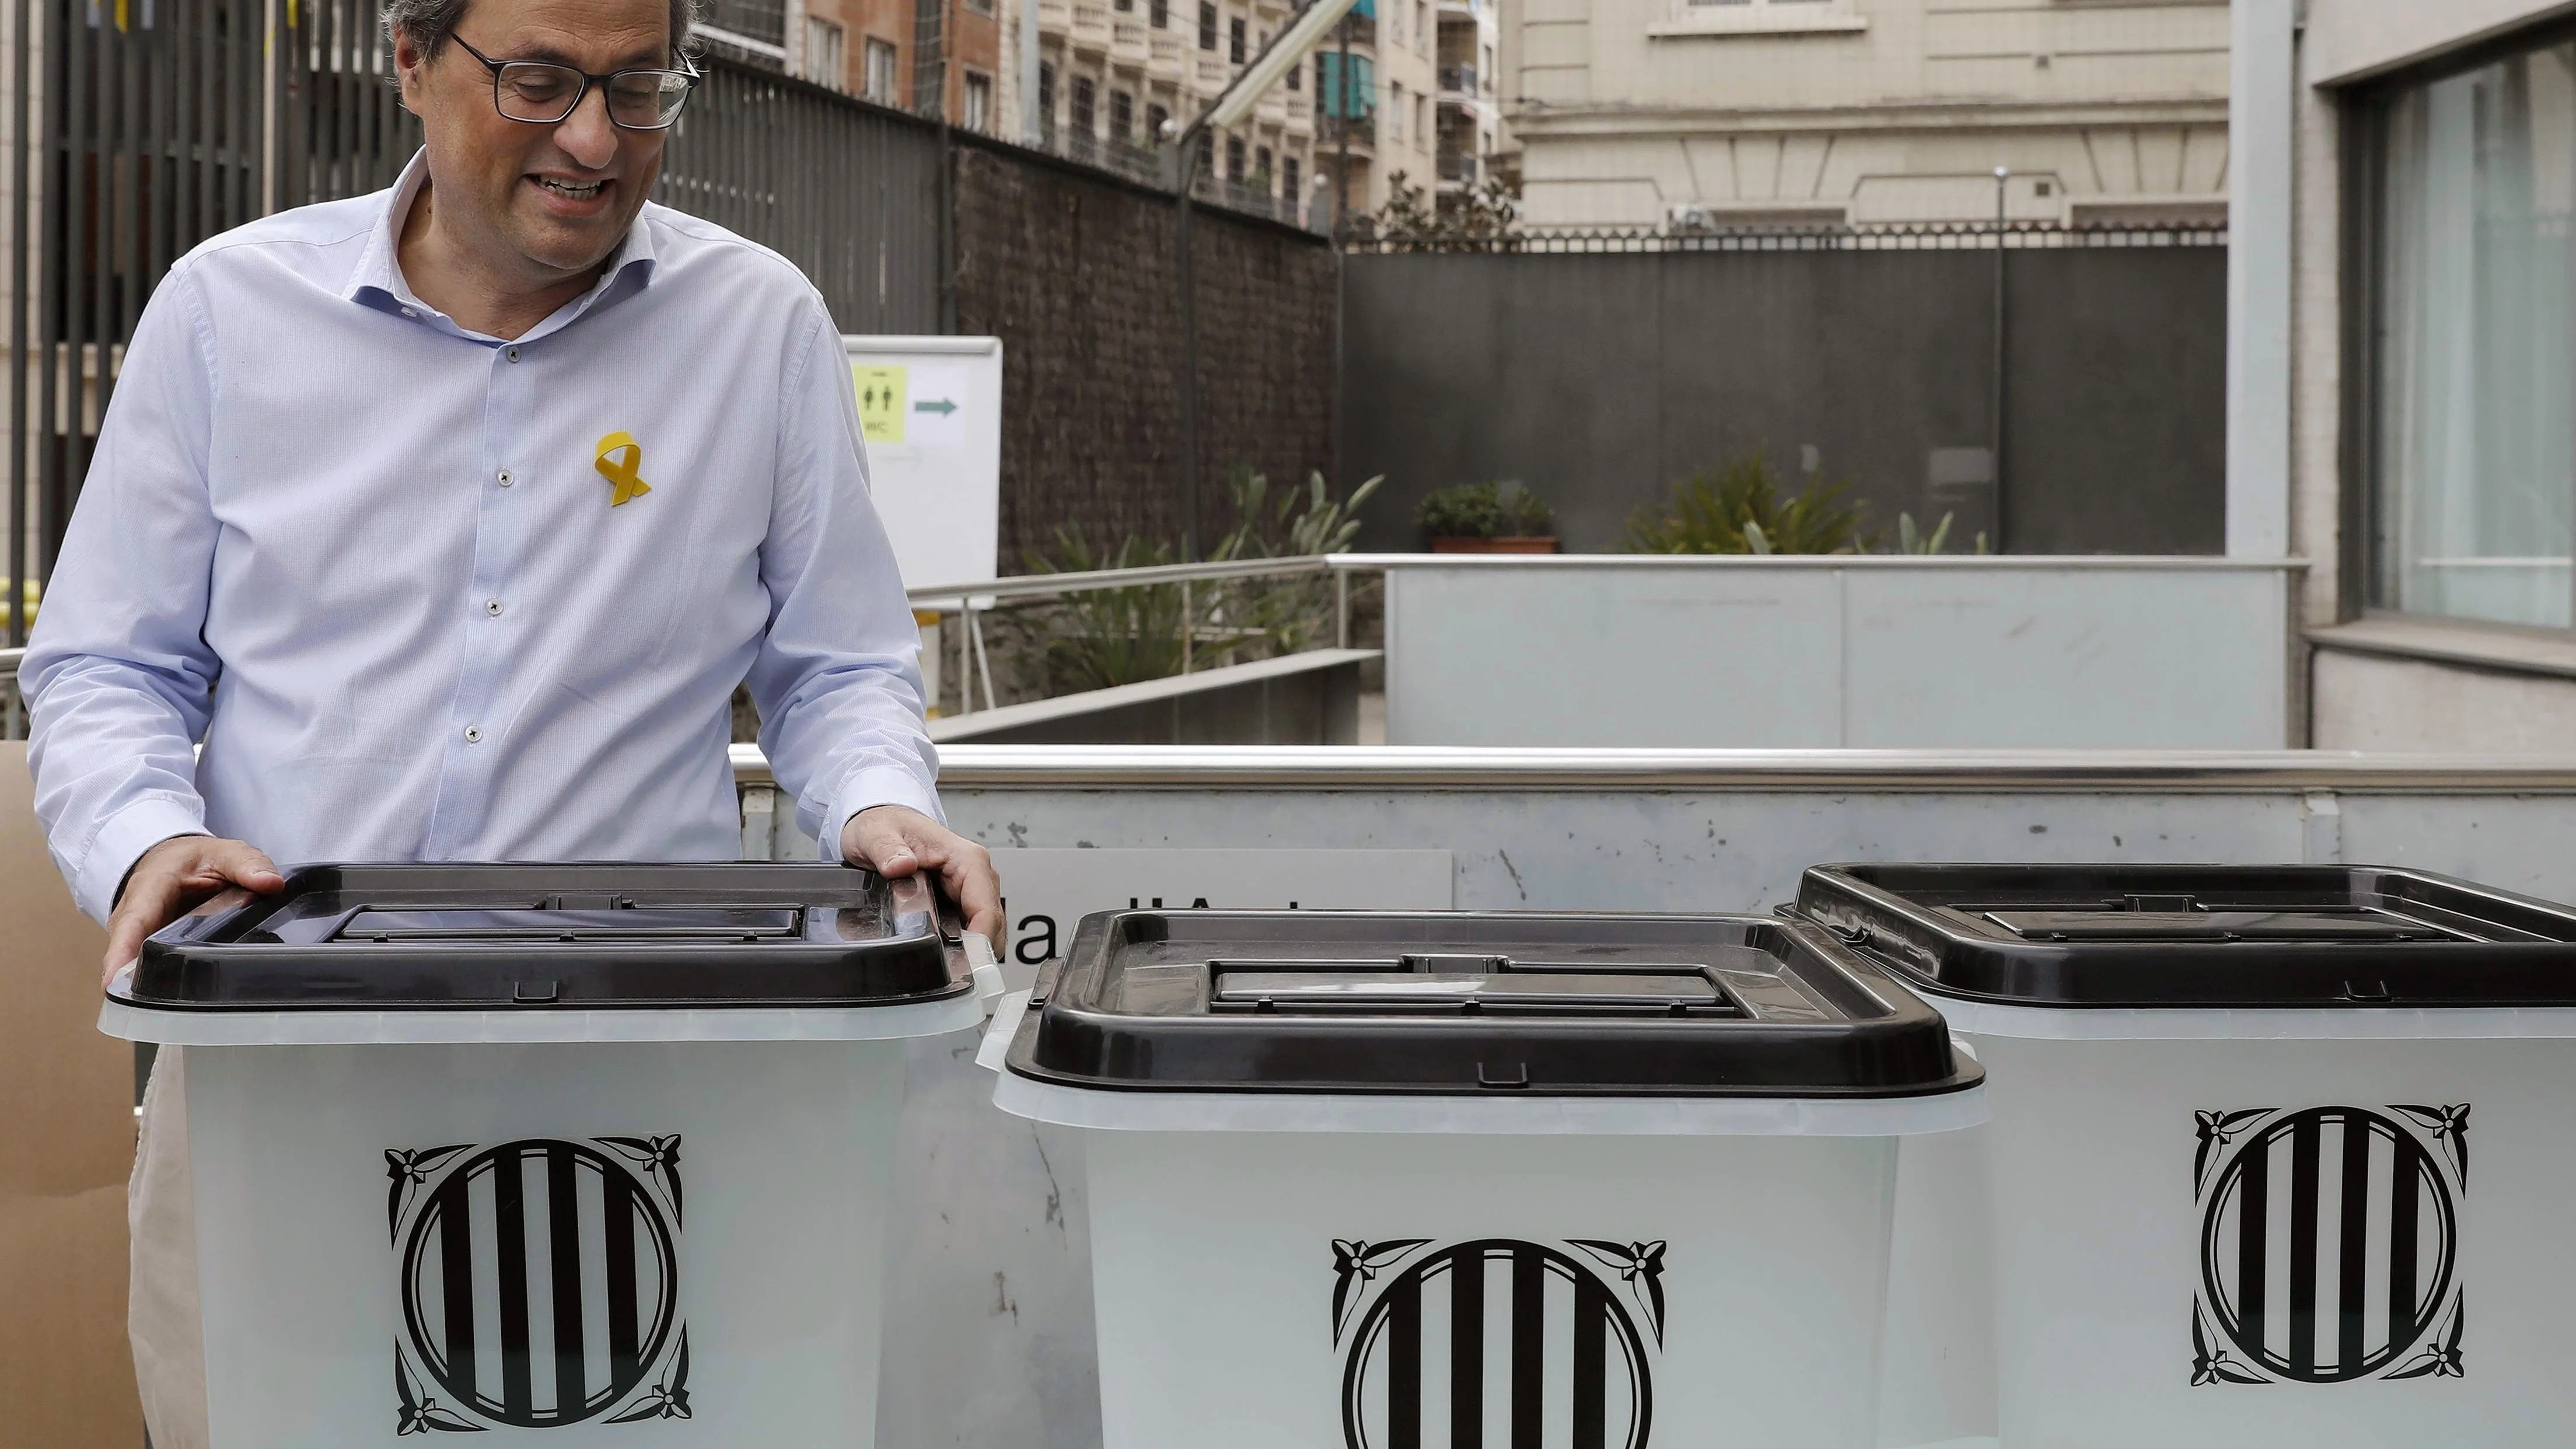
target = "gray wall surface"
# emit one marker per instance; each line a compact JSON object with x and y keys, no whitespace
{"x":1599,"y":380}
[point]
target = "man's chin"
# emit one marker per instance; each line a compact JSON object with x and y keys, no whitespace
{"x":571,"y":249}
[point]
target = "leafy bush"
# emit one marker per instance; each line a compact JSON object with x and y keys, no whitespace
{"x":1910,"y":539}
{"x":1101,"y":638}
{"x":1484,"y":510}
{"x":1737,"y":507}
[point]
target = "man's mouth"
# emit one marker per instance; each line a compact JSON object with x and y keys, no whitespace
{"x":571,"y":190}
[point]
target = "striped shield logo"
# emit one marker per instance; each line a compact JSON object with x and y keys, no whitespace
{"x":540,"y":1284}
{"x":2329,"y":1244}
{"x":1494,"y":1343}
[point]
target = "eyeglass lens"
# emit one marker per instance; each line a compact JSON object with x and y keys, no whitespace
{"x":644,"y":99}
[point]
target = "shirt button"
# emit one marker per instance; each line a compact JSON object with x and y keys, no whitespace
{"x":492,"y":607}
{"x":514,"y":354}
{"x":473,"y":734}
{"x":506,"y":479}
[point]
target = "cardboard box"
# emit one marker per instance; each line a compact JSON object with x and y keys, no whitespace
{"x":66,"y":1146}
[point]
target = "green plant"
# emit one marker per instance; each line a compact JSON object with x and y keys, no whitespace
{"x":1281,"y":616}
{"x":1484,"y":510}
{"x":1102,"y":638}
{"x":1910,"y":539}
{"x":1482,"y":217}
{"x":1738,"y":507}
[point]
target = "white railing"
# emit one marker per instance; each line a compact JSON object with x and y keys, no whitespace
{"x":972,"y":601}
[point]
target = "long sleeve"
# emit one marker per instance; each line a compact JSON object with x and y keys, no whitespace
{"x":118,"y":676}
{"x":838,"y":679}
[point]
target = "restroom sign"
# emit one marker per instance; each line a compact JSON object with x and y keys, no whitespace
{"x":883,"y":400}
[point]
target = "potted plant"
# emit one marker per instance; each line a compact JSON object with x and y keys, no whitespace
{"x":1486,"y":518}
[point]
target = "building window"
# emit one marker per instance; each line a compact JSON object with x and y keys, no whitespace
{"x":1156,"y":118}
{"x":882,"y":70}
{"x":1122,"y":115}
{"x":1123,"y":7}
{"x":1234,"y":158}
{"x":979,"y":102}
{"x":2473,"y":462}
{"x":1207,"y":24}
{"x":1422,"y":118}
{"x":1046,"y":96}
{"x":827,"y":58}
{"x":1085,"y":94}
{"x":1261,"y":167}
{"x":1234,"y":40}
{"x":1158,"y":13}
{"x":1395,"y":110}
{"x":1288,"y":178}
{"x":1421,"y":25}
{"x":1296,"y":77}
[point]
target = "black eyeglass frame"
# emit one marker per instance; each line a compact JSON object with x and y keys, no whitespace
{"x":588,"y":81}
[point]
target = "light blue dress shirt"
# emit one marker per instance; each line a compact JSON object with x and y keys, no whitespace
{"x":374,"y":562}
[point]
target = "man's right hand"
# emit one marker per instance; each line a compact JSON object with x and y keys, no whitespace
{"x":173,"y":878}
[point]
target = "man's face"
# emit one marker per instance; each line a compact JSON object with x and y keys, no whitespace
{"x":539,"y":203}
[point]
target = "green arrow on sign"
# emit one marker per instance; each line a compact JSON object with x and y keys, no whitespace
{"x":941,"y":406}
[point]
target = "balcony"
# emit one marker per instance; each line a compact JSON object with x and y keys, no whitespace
{"x":1091,"y":25}
{"x":1460,"y":168}
{"x":1298,"y":114}
{"x":1361,"y":129}
{"x":1127,"y":41}
{"x":1467,"y":11}
{"x":1055,"y":16}
{"x":1210,"y":74}
{"x":1273,"y":107}
{"x":1459,"y":83}
{"x":1164,"y":58}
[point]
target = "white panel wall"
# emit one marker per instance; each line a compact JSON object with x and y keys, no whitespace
{"x":1811,"y":653}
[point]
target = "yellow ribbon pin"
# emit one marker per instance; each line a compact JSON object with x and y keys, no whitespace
{"x":627,"y":474}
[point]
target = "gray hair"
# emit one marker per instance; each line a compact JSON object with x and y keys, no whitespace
{"x":430,"y":22}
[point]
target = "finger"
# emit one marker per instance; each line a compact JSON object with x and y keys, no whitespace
{"x":977,"y":888}
{"x":876,"y":839}
{"x":243,"y":865}
{"x":149,"y":899}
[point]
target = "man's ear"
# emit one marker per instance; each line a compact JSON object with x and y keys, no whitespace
{"x":408,"y":62}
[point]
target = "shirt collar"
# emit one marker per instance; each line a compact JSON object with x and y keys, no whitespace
{"x":378,"y":281}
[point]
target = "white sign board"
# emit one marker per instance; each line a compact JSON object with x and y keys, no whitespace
{"x":1047,"y":892}
{"x":932,"y":411}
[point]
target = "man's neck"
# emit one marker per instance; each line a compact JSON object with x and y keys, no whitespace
{"x":450,"y":278}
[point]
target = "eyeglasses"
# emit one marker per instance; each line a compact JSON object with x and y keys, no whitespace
{"x":542,"y":93}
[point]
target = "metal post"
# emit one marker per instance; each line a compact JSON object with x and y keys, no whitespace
{"x":1189,"y":626}
{"x":1341,"y":608}
{"x":983,"y":659}
{"x":2003,"y":177}
{"x":1342,"y":141}
{"x":1191,"y":140}
{"x":966,"y":657}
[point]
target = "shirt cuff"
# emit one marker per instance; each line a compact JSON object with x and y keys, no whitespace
{"x":123,"y":839}
{"x":876,"y":785}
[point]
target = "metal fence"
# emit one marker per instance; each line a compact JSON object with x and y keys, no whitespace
{"x":1905,"y":237}
{"x":848,"y":191}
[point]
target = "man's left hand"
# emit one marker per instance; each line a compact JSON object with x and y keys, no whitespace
{"x":896,"y":840}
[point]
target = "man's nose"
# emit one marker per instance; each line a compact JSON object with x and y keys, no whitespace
{"x":586,"y":135}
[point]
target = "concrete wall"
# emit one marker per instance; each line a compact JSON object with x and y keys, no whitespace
{"x":1872,"y":110}
{"x":1822,"y":654}
{"x":1601,"y":380}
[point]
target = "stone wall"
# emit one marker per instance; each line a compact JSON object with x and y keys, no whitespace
{"x":1074,"y":270}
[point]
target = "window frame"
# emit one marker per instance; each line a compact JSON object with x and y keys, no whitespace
{"x":878,"y":45}
{"x":2360,"y":113}
{"x":1207,"y":26}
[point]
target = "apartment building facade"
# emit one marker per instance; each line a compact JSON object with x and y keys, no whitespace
{"x":1470,"y":124}
{"x":1653,"y":113}
{"x":930,"y":57}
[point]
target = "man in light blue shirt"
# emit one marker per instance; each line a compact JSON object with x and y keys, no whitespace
{"x":449,"y":518}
